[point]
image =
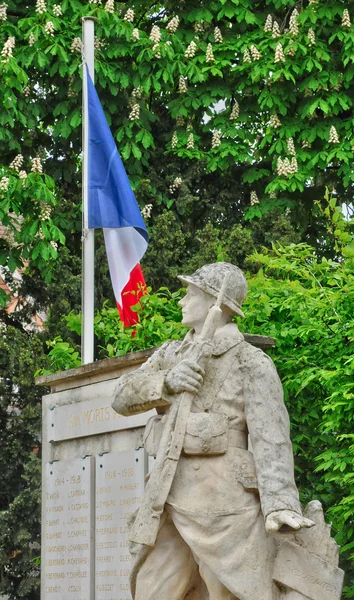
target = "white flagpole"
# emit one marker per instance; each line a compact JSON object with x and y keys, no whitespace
{"x":88,"y":235}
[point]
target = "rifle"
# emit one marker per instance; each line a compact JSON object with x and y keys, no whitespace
{"x":147,"y":522}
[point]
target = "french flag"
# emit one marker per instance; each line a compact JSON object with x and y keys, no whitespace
{"x":112,"y":207}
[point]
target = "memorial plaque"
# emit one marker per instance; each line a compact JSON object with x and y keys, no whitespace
{"x":119,"y":492}
{"x":89,"y":418}
{"x":67,"y":554}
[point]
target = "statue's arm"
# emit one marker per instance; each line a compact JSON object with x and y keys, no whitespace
{"x":143,"y":389}
{"x":269,"y":430}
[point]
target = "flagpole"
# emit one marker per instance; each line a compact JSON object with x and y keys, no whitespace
{"x":88,"y":235}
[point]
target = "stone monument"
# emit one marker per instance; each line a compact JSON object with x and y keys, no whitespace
{"x":221,"y":517}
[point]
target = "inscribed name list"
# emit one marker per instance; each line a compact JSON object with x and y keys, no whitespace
{"x":68,"y":551}
{"x":119,"y":492}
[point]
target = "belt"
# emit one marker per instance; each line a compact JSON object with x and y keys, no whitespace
{"x":238,"y":439}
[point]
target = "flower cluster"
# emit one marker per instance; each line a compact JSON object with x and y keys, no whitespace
{"x":98,"y":43}
{"x":4,"y":184}
{"x":235,"y":111}
{"x":199,"y":27}
{"x":109,"y":6}
{"x":256,"y":55}
{"x":305,"y":144}
{"x":172,"y":25}
{"x":279,"y":54}
{"x":290,"y":50}
{"x":180,"y":120}
{"x":17,"y":162}
{"x":175,"y":185}
{"x":136,"y":93}
{"x":156,"y":49}
{"x":174,"y":140}
{"x":36,"y":165}
{"x":291,"y":147}
{"x":46,"y":211}
{"x":57,"y":12}
{"x":268,"y":25}
{"x":293,"y":24}
{"x":182,"y":85}
{"x":49,"y":28}
{"x":22,"y":174}
{"x":41,"y":7}
{"x":26,"y":91}
{"x":274,"y":121}
{"x":134,"y":114}
{"x":246,"y":56}
{"x":209,"y":57}
{"x":311,"y":37}
{"x":155,"y":34}
{"x":286,"y":167}
{"x":275,"y":30}
{"x":333,"y":136}
{"x":135,"y":35}
{"x":3,"y":15}
{"x":346,"y":18}
{"x":146,"y":212}
{"x":216,"y":139}
{"x":54,"y":244}
{"x":218,"y":35}
{"x":31,"y":39}
{"x":191,"y":50}
{"x":6,"y":52}
{"x":190,"y":142}
{"x":129,"y":15}
{"x":189,"y":126}
{"x":76,"y":45}
{"x":254,"y":198}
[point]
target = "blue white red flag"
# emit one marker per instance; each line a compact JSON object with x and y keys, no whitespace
{"x":112,"y":207}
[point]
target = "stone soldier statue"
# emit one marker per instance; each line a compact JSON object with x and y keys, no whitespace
{"x":211,"y":505}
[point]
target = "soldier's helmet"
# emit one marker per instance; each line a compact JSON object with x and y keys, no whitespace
{"x":210,"y":278}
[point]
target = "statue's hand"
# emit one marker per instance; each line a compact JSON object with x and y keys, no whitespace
{"x":285,"y":521}
{"x":187,"y":376}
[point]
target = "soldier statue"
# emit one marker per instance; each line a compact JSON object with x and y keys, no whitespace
{"x":223,"y":481}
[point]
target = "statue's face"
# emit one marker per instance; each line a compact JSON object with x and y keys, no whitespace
{"x":195,"y":307}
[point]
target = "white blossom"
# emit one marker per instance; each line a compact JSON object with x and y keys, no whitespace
{"x":109,"y":6}
{"x":31,"y":39}
{"x":290,"y":50}
{"x":199,"y":27}
{"x":174,"y":140}
{"x":179,"y":121}
{"x":272,"y":195}
{"x":246,"y":56}
{"x":98,"y":43}
{"x":49,"y":28}
{"x":57,"y":11}
{"x":283,"y":167}
{"x":305,"y":144}
{"x":254,"y":198}
{"x":175,"y":185}
{"x":333,"y":136}
{"x":36,"y":165}
{"x":26,"y":91}
{"x":216,"y":139}
{"x":274,"y":121}
{"x":6,"y":52}
{"x":76,"y":45}
{"x":291,"y":146}
{"x":41,"y":7}
{"x":256,"y":55}
{"x":17,"y":162}
{"x":172,"y":25}
{"x":4,"y":184}
{"x":135,"y":35}
{"x":22,"y":174}
{"x":182,"y":85}
{"x":137,"y":93}
{"x":293,"y":166}
{"x":217,"y":35}
{"x":189,"y":126}
{"x":3,"y":14}
{"x":235,"y":111}
{"x":268,"y":25}
{"x":155,"y":34}
{"x":346,"y":18}
{"x":134,"y":114}
{"x":54,"y":244}
{"x":279,"y":54}
{"x":209,"y":57}
{"x":311,"y":37}
{"x":190,"y":142}
{"x":293,"y":24}
{"x":157,"y":50}
{"x":45,"y":213}
{"x":129,"y":15}
{"x":191,"y":50}
{"x":275,"y":30}
{"x":146,"y":212}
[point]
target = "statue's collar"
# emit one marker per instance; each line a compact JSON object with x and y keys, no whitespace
{"x":225,"y":338}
